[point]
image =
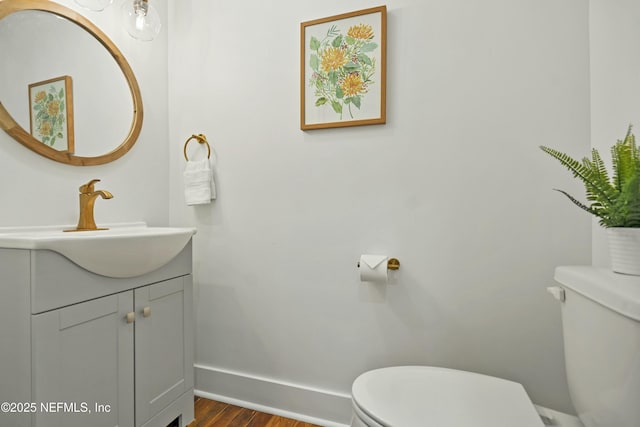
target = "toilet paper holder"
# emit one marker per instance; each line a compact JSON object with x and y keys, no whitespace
{"x":392,"y":264}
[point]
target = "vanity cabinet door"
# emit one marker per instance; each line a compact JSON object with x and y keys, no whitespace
{"x":164,"y":345}
{"x":82,"y":364}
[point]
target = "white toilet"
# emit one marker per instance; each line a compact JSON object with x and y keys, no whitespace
{"x":601,"y":323}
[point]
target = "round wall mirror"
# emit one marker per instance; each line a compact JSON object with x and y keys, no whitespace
{"x":68,"y":93}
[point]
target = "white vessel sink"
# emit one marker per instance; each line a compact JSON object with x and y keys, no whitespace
{"x":124,"y":250}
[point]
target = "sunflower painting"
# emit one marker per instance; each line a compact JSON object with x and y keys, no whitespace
{"x":343,"y":70}
{"x":51,"y":111}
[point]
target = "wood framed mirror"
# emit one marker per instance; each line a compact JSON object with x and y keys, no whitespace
{"x":103,"y":54}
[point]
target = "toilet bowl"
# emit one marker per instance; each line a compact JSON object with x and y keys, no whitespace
{"x":601,"y":328}
{"x":421,"y":396}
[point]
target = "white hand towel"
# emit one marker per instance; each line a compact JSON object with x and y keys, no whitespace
{"x":199,"y":187}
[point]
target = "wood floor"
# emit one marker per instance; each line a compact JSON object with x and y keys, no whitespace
{"x":210,"y":413}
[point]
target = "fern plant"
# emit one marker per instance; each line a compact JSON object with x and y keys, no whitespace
{"x":614,"y":200}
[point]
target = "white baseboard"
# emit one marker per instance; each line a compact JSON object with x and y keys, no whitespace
{"x":321,"y":407}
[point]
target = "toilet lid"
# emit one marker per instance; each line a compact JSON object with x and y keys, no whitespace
{"x":407,"y":396}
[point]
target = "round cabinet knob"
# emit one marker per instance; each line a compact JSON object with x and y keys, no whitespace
{"x":131,"y":317}
{"x":146,"y":312}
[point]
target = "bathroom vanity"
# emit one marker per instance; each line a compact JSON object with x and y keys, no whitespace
{"x":84,"y":349}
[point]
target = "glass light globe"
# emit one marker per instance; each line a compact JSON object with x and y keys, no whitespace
{"x":141,"y":20}
{"x":96,"y":5}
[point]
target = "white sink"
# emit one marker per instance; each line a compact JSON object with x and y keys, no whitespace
{"x":124,"y":250}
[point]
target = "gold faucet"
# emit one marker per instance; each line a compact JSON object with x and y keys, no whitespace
{"x":88,"y":198}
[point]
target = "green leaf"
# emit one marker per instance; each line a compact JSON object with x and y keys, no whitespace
{"x":585,"y":172}
{"x":333,"y":77}
{"x":364,"y":59}
{"x":321,"y":101}
{"x":314,"y":44}
{"x":350,"y":40}
{"x":576,"y":202}
{"x":59,"y":135}
{"x":314,"y":62}
{"x":337,"y":41}
{"x":333,"y":31}
{"x":600,"y":191}
{"x":337,"y":107}
{"x":37,"y":107}
{"x":356,"y":101}
{"x":351,"y":66}
{"x":369,"y":47}
{"x":50,"y":97}
{"x":61,"y":93}
{"x":625,"y":160}
{"x":61,"y":106}
{"x":339,"y":92}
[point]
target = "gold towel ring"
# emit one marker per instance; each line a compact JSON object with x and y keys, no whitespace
{"x":202,"y":140}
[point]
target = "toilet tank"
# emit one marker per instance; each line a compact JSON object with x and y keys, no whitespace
{"x":601,"y":329}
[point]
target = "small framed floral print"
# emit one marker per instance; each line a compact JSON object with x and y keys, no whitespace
{"x":51,"y":113}
{"x":343,"y":70}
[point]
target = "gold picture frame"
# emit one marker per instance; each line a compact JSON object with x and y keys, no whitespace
{"x":51,"y":113}
{"x":343,"y":70}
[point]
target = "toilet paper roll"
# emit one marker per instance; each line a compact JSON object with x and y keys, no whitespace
{"x":373,"y":268}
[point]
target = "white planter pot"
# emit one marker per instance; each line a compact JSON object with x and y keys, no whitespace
{"x":624,"y":247}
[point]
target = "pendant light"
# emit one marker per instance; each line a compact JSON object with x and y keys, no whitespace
{"x":96,"y":5}
{"x":141,"y":20}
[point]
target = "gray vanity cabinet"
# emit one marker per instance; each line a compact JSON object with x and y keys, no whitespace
{"x":163,"y":363}
{"x":101,"y":352}
{"x":83,"y":355}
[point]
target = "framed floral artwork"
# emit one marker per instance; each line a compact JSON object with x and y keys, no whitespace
{"x":51,"y":113}
{"x":343,"y":70}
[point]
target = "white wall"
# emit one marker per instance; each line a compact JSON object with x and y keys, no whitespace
{"x":615,"y":84}
{"x":38,"y":191}
{"x":453,"y":185}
